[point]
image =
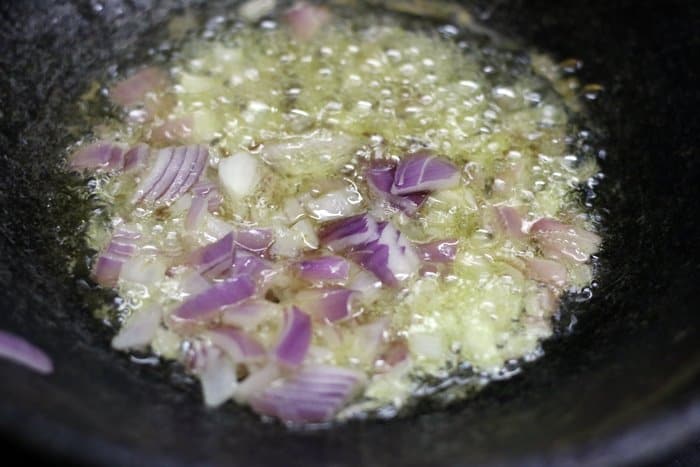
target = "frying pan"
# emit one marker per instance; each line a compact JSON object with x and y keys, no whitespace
{"x":623,"y":386}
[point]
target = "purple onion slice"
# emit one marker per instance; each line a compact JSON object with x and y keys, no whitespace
{"x":295,"y":338}
{"x":136,"y":157}
{"x":156,"y":172}
{"x":169,"y":175}
{"x":259,"y":269}
{"x":101,"y":155}
{"x":254,"y":239}
{"x":346,"y":233}
{"x":21,"y":351}
{"x":210,"y":302}
{"x":380,"y":178}
{"x":121,"y":247}
{"x":329,"y":303}
{"x":314,"y":394}
{"x":423,"y":171}
{"x":439,"y":251}
{"x":214,"y":259}
{"x":324,"y":268}
{"x":391,"y":257}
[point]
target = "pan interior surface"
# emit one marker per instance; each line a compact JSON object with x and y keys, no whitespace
{"x":621,"y":386}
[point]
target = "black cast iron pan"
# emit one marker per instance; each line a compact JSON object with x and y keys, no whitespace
{"x":623,"y":387}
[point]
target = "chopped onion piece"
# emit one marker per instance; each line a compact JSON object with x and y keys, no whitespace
{"x":21,"y":351}
{"x":239,"y":174}
{"x":143,"y":269}
{"x":193,"y":283}
{"x":109,"y":264}
{"x":177,"y":130}
{"x":367,"y":284}
{"x":196,"y":213}
{"x":238,"y":345}
{"x":509,"y":222}
{"x":162,"y":161}
{"x":249,"y":314}
{"x":423,"y":171}
{"x":547,"y":271}
{"x":380,"y":178}
{"x":305,"y":230}
{"x":101,"y":155}
{"x":171,"y":171}
{"x":257,"y":382}
{"x":139,"y":329}
{"x":329,"y":303}
{"x":213,"y":259}
{"x":306,"y":20}
{"x":391,"y":258}
{"x":255,"y":267}
{"x":136,"y":157}
{"x":295,"y":155}
{"x":323,"y":268}
{"x":395,"y":353}
{"x":439,"y":251}
{"x":254,"y":239}
{"x":192,"y":167}
{"x":254,"y":10}
{"x":209,"y":302}
{"x":218,"y":378}
{"x":208,"y":190}
{"x":352,"y":231}
{"x":563,"y":241}
{"x":335,"y":204}
{"x":314,"y":394}
{"x":135,"y":88}
{"x":295,"y":338}
{"x":293,"y":210}
{"x":174,"y":171}
{"x":369,"y":340}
